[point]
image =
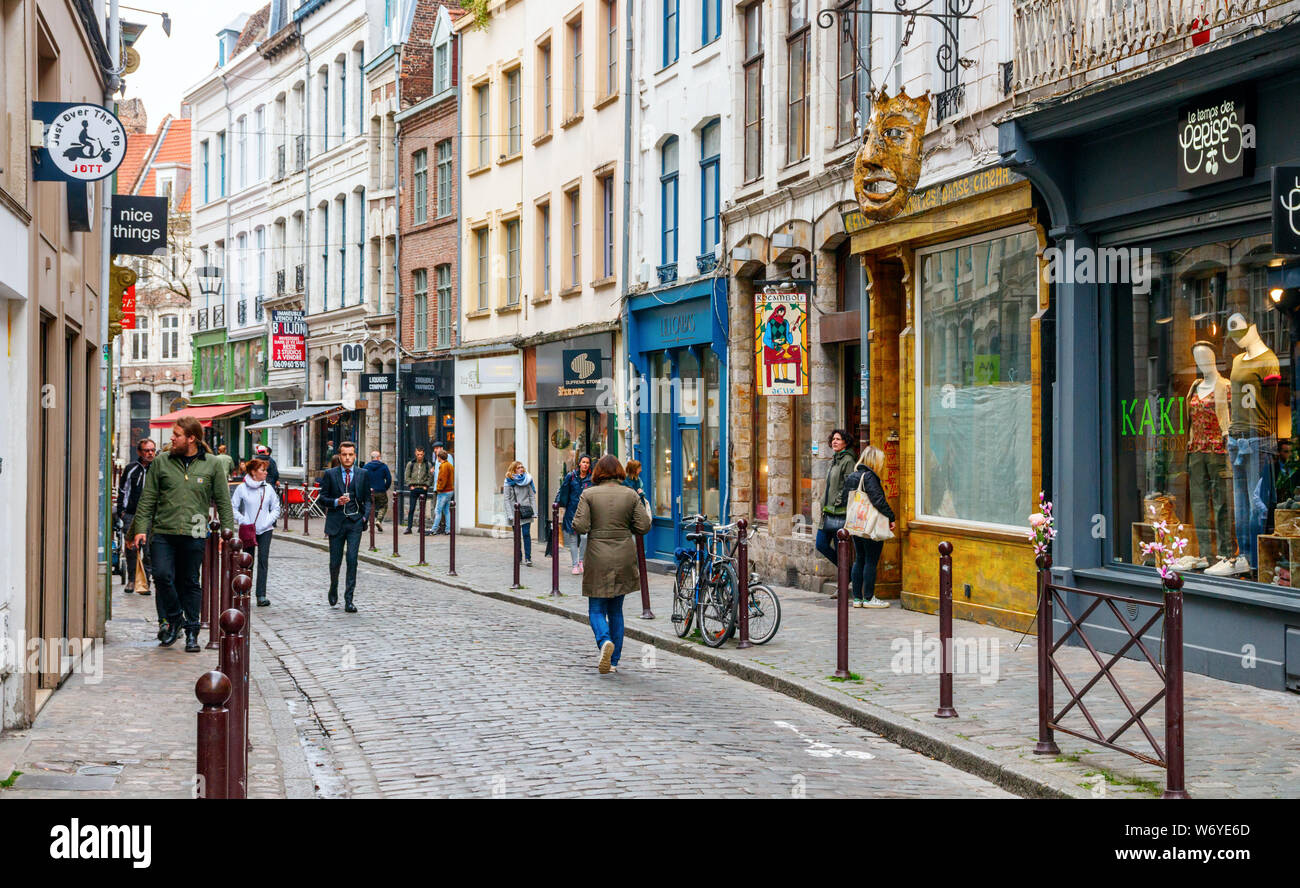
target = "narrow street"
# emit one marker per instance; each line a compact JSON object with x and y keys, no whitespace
{"x":431,"y":691}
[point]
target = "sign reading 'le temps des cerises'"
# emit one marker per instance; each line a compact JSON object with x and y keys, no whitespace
{"x":288,"y":340}
{"x":139,"y":225}
{"x":1216,"y":140}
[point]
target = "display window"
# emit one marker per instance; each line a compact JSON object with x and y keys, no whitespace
{"x":1202,"y":413}
{"x":496,"y":451}
{"x":974,"y":454}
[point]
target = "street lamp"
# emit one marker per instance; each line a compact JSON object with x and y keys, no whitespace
{"x":209,"y":279}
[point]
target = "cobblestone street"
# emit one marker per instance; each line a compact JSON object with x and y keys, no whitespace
{"x":435,"y":691}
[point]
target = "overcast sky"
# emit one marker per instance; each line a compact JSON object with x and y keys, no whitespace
{"x":171,"y":65}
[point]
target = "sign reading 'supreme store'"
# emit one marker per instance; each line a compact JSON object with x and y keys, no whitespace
{"x":1216,"y":140}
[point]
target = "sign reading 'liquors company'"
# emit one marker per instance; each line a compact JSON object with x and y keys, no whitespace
{"x":1216,"y":140}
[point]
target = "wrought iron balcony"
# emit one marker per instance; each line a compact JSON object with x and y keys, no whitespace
{"x":1061,"y":45}
{"x":279,"y":282}
{"x":201,"y":319}
{"x":1008,"y":77}
{"x":218,"y":316}
{"x":299,"y":278}
{"x":667,"y":273}
{"x":299,"y":153}
{"x":257,"y":307}
{"x":241,"y":311}
{"x":949,"y":103}
{"x":279,"y":162}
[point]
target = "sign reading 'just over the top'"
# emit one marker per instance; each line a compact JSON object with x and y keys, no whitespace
{"x":1216,"y":140}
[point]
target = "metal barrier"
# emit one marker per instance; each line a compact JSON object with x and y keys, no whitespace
{"x":945,"y":709}
{"x":397,"y":518}
{"x":844,"y":558}
{"x":223,"y":729}
{"x":422,"y":562}
{"x":1050,"y":595}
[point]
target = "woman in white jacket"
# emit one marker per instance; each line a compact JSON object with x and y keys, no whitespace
{"x":256,"y":503}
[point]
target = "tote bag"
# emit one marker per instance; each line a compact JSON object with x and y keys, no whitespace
{"x":862,"y":519}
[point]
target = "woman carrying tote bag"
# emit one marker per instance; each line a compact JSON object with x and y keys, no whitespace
{"x":867,"y":513}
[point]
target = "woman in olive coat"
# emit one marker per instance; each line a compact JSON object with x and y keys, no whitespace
{"x":609,"y":514}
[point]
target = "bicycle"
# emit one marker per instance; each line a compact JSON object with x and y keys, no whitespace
{"x":705,"y":590}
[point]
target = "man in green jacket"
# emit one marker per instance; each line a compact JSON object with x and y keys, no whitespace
{"x":416,"y":477}
{"x":179,"y":488}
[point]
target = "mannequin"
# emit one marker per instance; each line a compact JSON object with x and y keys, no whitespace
{"x":1207,"y":460}
{"x":1252,"y":440}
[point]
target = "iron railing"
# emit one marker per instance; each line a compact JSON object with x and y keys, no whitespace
{"x":299,"y":278}
{"x":218,"y":316}
{"x":279,"y":282}
{"x":949,"y":103}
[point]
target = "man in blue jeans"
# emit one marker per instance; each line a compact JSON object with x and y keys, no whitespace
{"x":444,"y":485}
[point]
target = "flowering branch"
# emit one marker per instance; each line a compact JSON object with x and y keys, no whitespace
{"x":1167,"y":548}
{"x":1042,"y":526}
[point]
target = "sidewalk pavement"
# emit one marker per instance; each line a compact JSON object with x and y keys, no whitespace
{"x":131,"y":731}
{"x":1241,"y":741}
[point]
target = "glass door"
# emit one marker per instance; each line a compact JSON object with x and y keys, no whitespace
{"x":688,"y":461}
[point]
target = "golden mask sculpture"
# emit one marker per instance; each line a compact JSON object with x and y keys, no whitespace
{"x":888,"y":164}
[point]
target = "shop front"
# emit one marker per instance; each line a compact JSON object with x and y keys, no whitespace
{"x":677,"y":345}
{"x":1177,"y":355}
{"x":955,"y":399}
{"x":570,"y":382}
{"x":229,"y":373}
{"x":489,"y":415}
{"x":429,"y":407}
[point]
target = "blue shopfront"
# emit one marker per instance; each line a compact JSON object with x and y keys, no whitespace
{"x":677,"y":341}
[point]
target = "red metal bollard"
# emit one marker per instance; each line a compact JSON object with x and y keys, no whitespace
{"x":945,"y":632}
{"x":306,"y":511}
{"x":373,"y":547}
{"x":212,"y":585}
{"x":228,"y":541}
{"x":646,"y":613}
{"x":422,"y":562}
{"x":518,"y":553}
{"x":213,"y":690}
{"x":397,"y":520}
{"x":844,"y":557}
{"x":1046,"y":744}
{"x":284,"y":505}
{"x":555,"y":550}
{"x":451,"y":552}
{"x":742,"y":569}
{"x":1175,"y":786}
{"x":232,"y":665}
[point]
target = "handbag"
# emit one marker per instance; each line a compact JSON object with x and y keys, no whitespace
{"x":248,"y":532}
{"x":832,"y":523}
{"x":525,"y":513}
{"x":862,"y":519}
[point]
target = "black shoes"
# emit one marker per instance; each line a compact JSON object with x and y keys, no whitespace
{"x":167,"y":636}
{"x":162,"y":630}
{"x":263,"y":602}
{"x":191,"y":641}
{"x":333,"y":598}
{"x":350,"y":608}
{"x":408,"y":530}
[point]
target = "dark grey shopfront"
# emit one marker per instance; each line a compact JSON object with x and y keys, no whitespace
{"x":1176,"y":362}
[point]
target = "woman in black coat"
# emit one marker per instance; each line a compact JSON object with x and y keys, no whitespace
{"x":867,"y":474}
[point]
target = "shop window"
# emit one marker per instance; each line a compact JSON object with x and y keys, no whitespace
{"x":496,"y":451}
{"x":1202,"y":412}
{"x":712,"y":441}
{"x":661,"y":443}
{"x":975,"y":403}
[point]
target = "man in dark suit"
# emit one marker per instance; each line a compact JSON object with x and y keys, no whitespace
{"x":345,"y":491}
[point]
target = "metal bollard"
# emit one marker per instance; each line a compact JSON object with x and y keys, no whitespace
{"x":422,"y":562}
{"x":306,"y":511}
{"x":555,"y":550}
{"x":1175,"y":787}
{"x":213,"y":690}
{"x":451,"y":552}
{"x":212,"y":587}
{"x":742,"y":570}
{"x":228,"y":542}
{"x":519,"y":546}
{"x":844,"y":557}
{"x":945,"y":632}
{"x":397,"y":521}
{"x":373,"y":547}
{"x":646,"y":613}
{"x":243,"y":587}
{"x":232,"y":665}
{"x":1046,"y":744}
{"x":284,"y":505}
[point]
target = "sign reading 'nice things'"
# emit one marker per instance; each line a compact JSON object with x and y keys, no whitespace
{"x":1216,"y":140}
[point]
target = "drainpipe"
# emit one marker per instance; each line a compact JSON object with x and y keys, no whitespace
{"x":230,"y":179}
{"x":306,"y":238}
{"x":627,"y":228}
{"x":397,"y":261}
{"x":105,"y":355}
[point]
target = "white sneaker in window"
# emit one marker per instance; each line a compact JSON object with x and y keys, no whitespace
{"x":1190,"y":562}
{"x":1240,"y":566}
{"x":1220,"y":568}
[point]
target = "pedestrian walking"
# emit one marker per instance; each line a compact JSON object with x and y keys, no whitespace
{"x":867,"y":551}
{"x":226,"y":461}
{"x":130,"y":487}
{"x":257,"y":508}
{"x":345,"y":490}
{"x":416,"y":477}
{"x":520,"y":490}
{"x":609,"y":513}
{"x":444,"y":486}
{"x":179,"y":490}
{"x":380,"y":480}
{"x":830,"y":517}
{"x":272,"y":470}
{"x":633,"y":480}
{"x":570,"y":492}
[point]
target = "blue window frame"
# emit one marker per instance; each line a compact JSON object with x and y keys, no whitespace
{"x":361,"y":249}
{"x":710,"y":152}
{"x":325,"y":258}
{"x":710,"y":21}
{"x":343,"y":252}
{"x":207,"y":173}
{"x":672,"y":30}
{"x":221,"y":162}
{"x":668,"y":201}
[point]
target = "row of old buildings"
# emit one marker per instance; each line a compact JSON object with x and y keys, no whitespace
{"x":535,"y":230}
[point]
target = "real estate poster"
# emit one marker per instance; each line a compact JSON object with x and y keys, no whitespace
{"x":781,"y":338}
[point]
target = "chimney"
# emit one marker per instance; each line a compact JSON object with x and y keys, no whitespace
{"x":133,"y":116}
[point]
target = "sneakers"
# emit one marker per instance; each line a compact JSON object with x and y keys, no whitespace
{"x":875,"y":602}
{"x":606,"y":654}
{"x":528,"y":562}
{"x":577,"y":569}
{"x":1190,"y":562}
{"x":857,"y":602}
{"x":613,"y":669}
{"x":1230,"y":567}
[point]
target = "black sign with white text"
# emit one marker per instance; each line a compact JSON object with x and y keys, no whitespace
{"x":378,"y":382}
{"x":1286,"y":210}
{"x":139,"y":226}
{"x":1216,"y":140}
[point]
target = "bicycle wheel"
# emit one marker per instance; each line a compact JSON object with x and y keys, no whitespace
{"x":764,"y":614}
{"x":718,"y":607}
{"x":684,"y":598}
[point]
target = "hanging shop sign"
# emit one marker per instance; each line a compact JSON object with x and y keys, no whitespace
{"x":354,"y":357}
{"x":581,"y":368}
{"x":83,"y":142}
{"x":257,"y":411}
{"x":128,"y":308}
{"x":138,"y":225}
{"x":781,"y":337}
{"x":1216,"y":140}
{"x":888,"y":164}
{"x":378,"y":382}
{"x":573,"y":373}
{"x":941,"y":194}
{"x":1286,"y":210}
{"x":288,"y":340}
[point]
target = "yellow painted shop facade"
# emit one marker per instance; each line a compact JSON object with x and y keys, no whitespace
{"x":955,"y":390}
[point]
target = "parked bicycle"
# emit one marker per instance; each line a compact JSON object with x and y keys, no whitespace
{"x":705,"y":589}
